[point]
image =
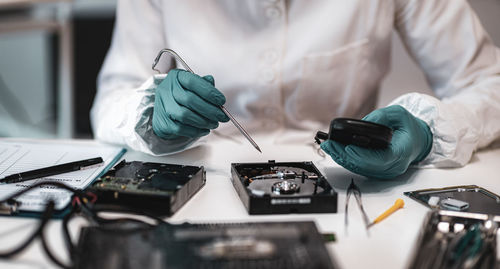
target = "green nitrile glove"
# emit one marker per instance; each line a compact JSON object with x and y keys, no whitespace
{"x":187,"y":105}
{"x":411,"y":142}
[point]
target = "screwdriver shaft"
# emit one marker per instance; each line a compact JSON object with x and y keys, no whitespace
{"x":243,"y":132}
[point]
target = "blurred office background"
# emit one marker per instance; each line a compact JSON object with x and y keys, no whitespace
{"x":52,"y":50}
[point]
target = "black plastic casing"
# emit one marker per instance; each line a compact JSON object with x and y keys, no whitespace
{"x":357,"y":132}
{"x":325,"y":202}
{"x":295,"y":245}
{"x":159,"y":204}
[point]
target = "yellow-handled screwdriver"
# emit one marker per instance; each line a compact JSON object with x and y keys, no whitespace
{"x":397,"y":205}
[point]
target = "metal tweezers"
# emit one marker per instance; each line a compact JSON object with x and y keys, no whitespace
{"x":353,"y":189}
{"x":233,"y":120}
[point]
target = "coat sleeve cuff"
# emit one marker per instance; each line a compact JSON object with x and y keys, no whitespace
{"x":125,"y":117}
{"x":453,"y":143}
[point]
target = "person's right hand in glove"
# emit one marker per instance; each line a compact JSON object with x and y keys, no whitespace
{"x":187,"y":105}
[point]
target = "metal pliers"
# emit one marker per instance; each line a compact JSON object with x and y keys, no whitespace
{"x":353,"y":189}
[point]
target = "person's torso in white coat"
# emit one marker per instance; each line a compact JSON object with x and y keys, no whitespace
{"x":296,"y":65}
{"x":299,"y":64}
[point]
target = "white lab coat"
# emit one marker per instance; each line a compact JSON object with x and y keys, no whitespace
{"x":299,"y":64}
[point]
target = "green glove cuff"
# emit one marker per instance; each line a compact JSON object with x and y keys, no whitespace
{"x":427,"y":135}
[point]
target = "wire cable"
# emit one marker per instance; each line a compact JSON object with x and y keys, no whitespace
{"x":82,"y":203}
{"x":45,"y":218}
{"x":67,"y":237}
{"x":50,"y":254}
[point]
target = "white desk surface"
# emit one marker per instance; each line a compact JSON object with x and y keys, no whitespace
{"x":389,"y":244}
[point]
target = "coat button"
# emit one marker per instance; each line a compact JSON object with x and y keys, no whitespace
{"x":270,"y":56}
{"x":273,"y":13}
{"x":270,"y":111}
{"x":267,"y":75}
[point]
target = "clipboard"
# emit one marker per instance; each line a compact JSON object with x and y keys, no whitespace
{"x":17,"y":157}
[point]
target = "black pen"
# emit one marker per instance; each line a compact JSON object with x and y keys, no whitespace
{"x":52,"y":170}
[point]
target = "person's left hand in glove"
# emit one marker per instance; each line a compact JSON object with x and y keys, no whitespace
{"x":411,"y":142}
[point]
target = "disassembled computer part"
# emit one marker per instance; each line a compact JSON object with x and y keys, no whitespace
{"x":156,"y":188}
{"x":451,"y":239}
{"x":264,"y":245}
{"x":280,"y":188}
{"x":468,"y":198}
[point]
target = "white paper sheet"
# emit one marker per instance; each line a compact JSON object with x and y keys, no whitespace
{"x":21,"y":157}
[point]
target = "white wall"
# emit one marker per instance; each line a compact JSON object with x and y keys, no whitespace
{"x":405,"y":76}
{"x":25,"y":69}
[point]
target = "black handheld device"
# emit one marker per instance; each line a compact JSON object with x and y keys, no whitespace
{"x":357,"y":132}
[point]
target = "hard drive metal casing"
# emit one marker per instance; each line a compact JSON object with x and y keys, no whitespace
{"x":269,"y":203}
{"x":480,"y":200}
{"x":451,"y":220}
{"x":121,"y":186}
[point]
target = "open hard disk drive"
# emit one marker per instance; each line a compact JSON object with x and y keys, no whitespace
{"x":285,"y":187}
{"x":156,"y":188}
